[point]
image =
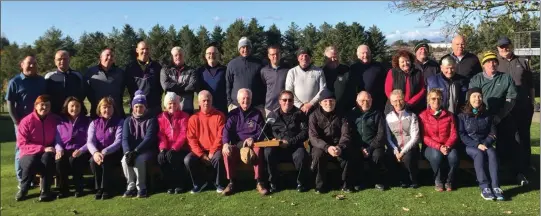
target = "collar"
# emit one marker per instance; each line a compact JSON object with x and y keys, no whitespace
{"x":490,"y":77}
{"x":513,"y":56}
{"x":66,"y":72}
{"x":24,"y":76}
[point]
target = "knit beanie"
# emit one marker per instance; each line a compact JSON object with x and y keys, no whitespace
{"x":244,"y":41}
{"x":471,"y":91}
{"x":139,"y":98}
{"x":170,"y":96}
{"x":418,"y":46}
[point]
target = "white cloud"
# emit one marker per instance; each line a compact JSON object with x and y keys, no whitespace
{"x":432,"y":35}
{"x":126,"y":17}
{"x":216,"y":19}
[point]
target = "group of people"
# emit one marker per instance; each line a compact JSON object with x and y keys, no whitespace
{"x":352,"y":115}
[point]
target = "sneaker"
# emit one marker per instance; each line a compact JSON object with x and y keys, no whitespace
{"x":219,"y":189}
{"x":448,"y":187}
{"x":380,"y":187}
{"x":21,"y":195}
{"x":229,"y":189}
{"x":197,"y":189}
{"x":498,"y":192}
{"x":301,"y":188}
{"x":358,"y":187}
{"x":98,"y":195}
{"x":105,"y":196}
{"x":487,"y":194}
{"x":273,"y":188}
{"x":130,"y":193}
{"x":171,"y":191}
{"x":142,"y":193}
{"x":522,"y":181}
{"x":439,"y":187}
{"x":179,"y":190}
{"x":261,"y":189}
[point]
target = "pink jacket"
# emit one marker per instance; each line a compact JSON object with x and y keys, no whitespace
{"x":33,"y":134}
{"x":172,"y":133}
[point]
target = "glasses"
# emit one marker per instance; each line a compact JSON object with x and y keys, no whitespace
{"x":435,"y":98}
{"x":287,"y":100}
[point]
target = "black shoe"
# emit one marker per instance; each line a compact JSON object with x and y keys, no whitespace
{"x":522,"y":181}
{"x":45,"y":196}
{"x":130,"y":193}
{"x":98,"y":195}
{"x":78,"y":193}
{"x":63,"y":194}
{"x":179,"y":190}
{"x":301,"y":188}
{"x":404,"y":185}
{"x":273,"y":188}
{"x":105,"y":196}
{"x":380,"y":187}
{"x":414,"y":186}
{"x":171,"y":191}
{"x":347,"y":189}
{"x":358,"y":187}
{"x":21,"y":195}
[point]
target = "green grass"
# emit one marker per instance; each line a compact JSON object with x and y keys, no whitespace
{"x":396,"y":201}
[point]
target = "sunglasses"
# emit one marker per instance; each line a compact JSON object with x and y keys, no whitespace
{"x":287,"y":100}
{"x":435,"y":98}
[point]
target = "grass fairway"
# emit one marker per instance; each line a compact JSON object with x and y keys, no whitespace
{"x":396,"y":201}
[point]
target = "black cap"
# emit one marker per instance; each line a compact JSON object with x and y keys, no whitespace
{"x":418,"y":46}
{"x":504,"y":41}
{"x":326,"y":94}
{"x":304,"y":51}
{"x":473,"y":90}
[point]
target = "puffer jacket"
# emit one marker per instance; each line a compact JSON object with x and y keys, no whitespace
{"x":182,"y":81}
{"x":440,"y":130}
{"x":369,"y":128}
{"x":172,"y":132}
{"x":34,"y":134}
{"x":291,"y":126}
{"x":476,"y":129}
{"x":328,"y":129}
{"x":402,"y":131}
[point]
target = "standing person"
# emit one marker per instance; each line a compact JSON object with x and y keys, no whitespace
{"x":212,"y":77}
{"x":143,"y":74}
{"x":427,"y":66}
{"x":369,"y":75}
{"x":205,"y":132}
{"x":64,"y":83}
{"x":180,"y":79}
{"x":402,"y":138}
{"x":70,"y":143}
{"x":408,"y":79}
{"x":22,"y":91}
{"x":478,"y":132}
{"x":439,"y":134}
{"x":139,"y":142}
{"x":499,"y":96}
{"x":244,"y":71}
{"x":520,"y":71}
{"x":306,"y":81}
{"x":105,"y":80}
{"x":274,"y":78}
{"x":452,"y":85}
{"x":104,"y":142}
{"x":468,"y":64}
{"x":35,"y":139}
{"x":337,"y":76}
{"x":172,"y":143}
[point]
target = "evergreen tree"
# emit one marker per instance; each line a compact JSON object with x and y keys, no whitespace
{"x":256,"y":35}
{"x":203,"y":40}
{"x":88,"y":50}
{"x":157,"y":42}
{"x":125,"y":46}
{"x":232,"y":36}
{"x":310,"y":37}
{"x":217,"y":35}
{"x":378,"y":45}
{"x":188,"y":42}
{"x":273,"y":36}
{"x":46,"y":47}
{"x":292,"y":42}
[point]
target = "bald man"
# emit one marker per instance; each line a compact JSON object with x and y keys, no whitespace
{"x":63,"y":83}
{"x":467,"y":63}
{"x":211,"y":76}
{"x":369,"y":75}
{"x":368,"y":136}
{"x":144,"y":74}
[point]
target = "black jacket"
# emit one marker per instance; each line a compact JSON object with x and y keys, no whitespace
{"x":148,"y":81}
{"x":428,"y":69}
{"x":339,"y":82}
{"x":291,"y":126}
{"x":215,"y":84}
{"x":328,"y":129}
{"x":468,"y":66}
{"x":244,"y":72}
{"x":371,"y":78}
{"x":61,"y":85}
{"x":368,"y":128}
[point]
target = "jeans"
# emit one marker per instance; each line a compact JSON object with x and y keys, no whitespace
{"x":435,"y":158}
{"x":479,"y":161}
{"x":18,"y":170}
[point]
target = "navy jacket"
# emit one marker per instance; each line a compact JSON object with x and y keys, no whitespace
{"x":140,"y":134}
{"x":147,"y":80}
{"x":214,"y":83}
{"x":475,"y":130}
{"x":439,"y":81}
{"x":244,"y":72}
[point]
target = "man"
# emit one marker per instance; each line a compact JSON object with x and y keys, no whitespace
{"x":499,"y":96}
{"x":244,"y":71}
{"x":369,"y":136}
{"x":205,"y":139}
{"x":274,"y":77}
{"x":520,"y":71}
{"x":211,"y":77}
{"x":453,"y":86}
{"x":23,"y":90}
{"x":330,"y":137}
{"x":63,"y":83}
{"x":467,"y":63}
{"x":369,"y":75}
{"x":428,"y":66}
{"x":243,"y":128}
{"x":180,"y":79}
{"x":291,"y":129}
{"x":105,"y":79}
{"x":144,"y":74}
{"x":306,"y":81}
{"x":337,"y":78}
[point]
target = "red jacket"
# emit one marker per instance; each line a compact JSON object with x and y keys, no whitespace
{"x":438,"y":131}
{"x":205,"y":131}
{"x":172,"y":134}
{"x":34,"y":135}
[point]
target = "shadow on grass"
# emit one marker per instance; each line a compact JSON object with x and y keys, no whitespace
{"x":7,"y":131}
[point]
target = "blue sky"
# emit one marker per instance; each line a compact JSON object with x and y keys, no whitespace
{"x":24,"y":22}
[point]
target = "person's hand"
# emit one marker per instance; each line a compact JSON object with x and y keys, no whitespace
{"x":398,"y":156}
{"x":161,"y":157}
{"x":338,"y":151}
{"x":76,"y":153}
{"x":306,"y":107}
{"x":206,"y":159}
{"x":49,"y":149}
{"x":98,"y":157}
{"x":58,"y":155}
{"x":482,"y":147}
{"x":249,"y":142}
{"x":283,"y":143}
{"x":444,"y":150}
{"x":211,"y":155}
{"x":365,"y":153}
{"x":226,"y":149}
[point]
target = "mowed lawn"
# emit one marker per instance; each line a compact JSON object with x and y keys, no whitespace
{"x":396,"y":201}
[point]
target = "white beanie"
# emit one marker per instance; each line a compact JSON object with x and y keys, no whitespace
{"x":244,"y":41}
{"x":171,"y":96}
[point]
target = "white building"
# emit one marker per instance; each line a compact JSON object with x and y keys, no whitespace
{"x":440,"y":45}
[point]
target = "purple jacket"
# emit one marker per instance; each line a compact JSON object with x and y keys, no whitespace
{"x":105,"y":135}
{"x":72,"y":135}
{"x":242,"y":125}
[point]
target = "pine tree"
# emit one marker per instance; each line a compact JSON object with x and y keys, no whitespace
{"x":157,"y":42}
{"x":378,"y":45}
{"x":328,"y":38}
{"x":46,"y":47}
{"x":256,"y":35}
{"x":291,"y":44}
{"x":88,"y":50}
{"x":141,"y":34}
{"x":125,"y":46}
{"x":310,"y":37}
{"x":188,"y":42}
{"x":273,"y":36}
{"x":357,"y":36}
{"x":203,"y":40}
{"x":217,"y":35}
{"x":232,"y":36}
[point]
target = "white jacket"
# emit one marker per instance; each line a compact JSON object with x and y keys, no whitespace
{"x":402,"y":131}
{"x":305,"y":85}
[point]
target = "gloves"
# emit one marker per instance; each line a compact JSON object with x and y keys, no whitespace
{"x":130,"y":158}
{"x":162,"y":157}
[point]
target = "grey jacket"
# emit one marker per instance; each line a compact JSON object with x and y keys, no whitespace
{"x":183,"y":82}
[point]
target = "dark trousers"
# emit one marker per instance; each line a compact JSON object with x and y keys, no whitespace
{"x":103,"y":173}
{"x":406,"y":170}
{"x":508,"y":145}
{"x":435,"y":158}
{"x":68,"y":164}
{"x":375,"y":166}
{"x":196,"y":167}
{"x":275,"y":155}
{"x":42,"y":163}
{"x":480,"y":161}
{"x":347,"y":160}
{"x":172,"y":168}
{"x":523,"y":113}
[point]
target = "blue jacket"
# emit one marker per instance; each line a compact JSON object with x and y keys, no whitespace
{"x":140,"y":134}
{"x":475,"y":130}
{"x":439,"y":81}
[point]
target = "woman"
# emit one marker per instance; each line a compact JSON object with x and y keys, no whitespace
{"x":173,"y":144}
{"x":402,"y":136}
{"x":104,"y":141}
{"x":407,"y":78}
{"x":139,"y":146}
{"x":439,"y":134}
{"x":71,"y":151}
{"x":478,"y":133}
{"x":35,"y":139}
